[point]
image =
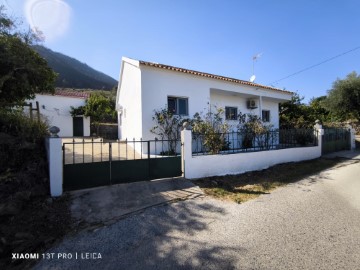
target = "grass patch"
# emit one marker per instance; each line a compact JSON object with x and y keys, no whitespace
{"x":247,"y":186}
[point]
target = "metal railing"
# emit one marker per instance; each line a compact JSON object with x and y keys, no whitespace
{"x":97,"y":150}
{"x":235,"y":142}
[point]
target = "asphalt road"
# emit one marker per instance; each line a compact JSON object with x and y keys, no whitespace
{"x":312,"y":224}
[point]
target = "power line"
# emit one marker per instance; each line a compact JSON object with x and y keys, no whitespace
{"x":318,"y":64}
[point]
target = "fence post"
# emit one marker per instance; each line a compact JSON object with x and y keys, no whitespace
{"x":55,"y":160}
{"x":31,"y":111}
{"x":38,"y":111}
{"x":110,"y":159}
{"x":186,"y":148}
{"x":352,"y":136}
{"x":320,"y":133}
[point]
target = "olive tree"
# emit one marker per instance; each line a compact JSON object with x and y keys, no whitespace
{"x":343,"y":99}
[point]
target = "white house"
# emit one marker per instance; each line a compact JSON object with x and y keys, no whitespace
{"x":56,"y":110}
{"x":145,"y":87}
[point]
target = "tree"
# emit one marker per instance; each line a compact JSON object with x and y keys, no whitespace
{"x":23,"y":72}
{"x":254,"y":131}
{"x":317,"y":110}
{"x":343,"y":100}
{"x":167,"y":126}
{"x":213,"y":130}
{"x":99,"y":107}
{"x":294,"y":113}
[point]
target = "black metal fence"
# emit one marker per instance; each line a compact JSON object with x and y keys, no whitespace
{"x":97,"y":150}
{"x":235,"y":142}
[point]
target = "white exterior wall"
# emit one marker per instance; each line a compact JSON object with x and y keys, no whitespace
{"x":240,"y":102}
{"x":143,"y":89}
{"x":214,"y":165}
{"x":273,"y":107}
{"x":158,"y":84}
{"x":222,"y":101}
{"x":56,"y":110}
{"x":129,"y":104}
{"x":86,"y":126}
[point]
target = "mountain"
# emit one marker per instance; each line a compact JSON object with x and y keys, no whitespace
{"x":73,"y":73}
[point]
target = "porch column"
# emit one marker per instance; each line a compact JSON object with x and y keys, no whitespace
{"x":260,"y":107}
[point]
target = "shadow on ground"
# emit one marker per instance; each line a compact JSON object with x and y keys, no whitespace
{"x":104,"y":205}
{"x":249,"y":185}
{"x":163,"y":237}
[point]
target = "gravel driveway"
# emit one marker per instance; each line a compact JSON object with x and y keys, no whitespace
{"x":312,"y":224}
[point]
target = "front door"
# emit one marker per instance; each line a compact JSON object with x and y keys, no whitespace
{"x":78,"y":126}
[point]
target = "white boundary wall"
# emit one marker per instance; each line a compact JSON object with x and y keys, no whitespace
{"x":212,"y":165}
{"x":198,"y":166}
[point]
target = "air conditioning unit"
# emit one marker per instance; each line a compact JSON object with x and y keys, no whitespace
{"x":251,"y":104}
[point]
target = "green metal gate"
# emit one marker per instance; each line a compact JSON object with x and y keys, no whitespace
{"x":94,"y":163}
{"x":335,"y":139}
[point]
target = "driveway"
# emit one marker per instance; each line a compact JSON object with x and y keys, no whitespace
{"x":94,"y":150}
{"x":312,"y":224}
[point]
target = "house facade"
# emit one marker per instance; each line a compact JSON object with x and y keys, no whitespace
{"x":55,"y":109}
{"x":146,"y":86}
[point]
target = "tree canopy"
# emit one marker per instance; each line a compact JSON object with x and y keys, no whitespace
{"x":99,"y":106}
{"x":296,"y":114}
{"x":23,"y":72}
{"x":343,"y":100}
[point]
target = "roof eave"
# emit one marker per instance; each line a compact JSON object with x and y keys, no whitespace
{"x":209,"y":75}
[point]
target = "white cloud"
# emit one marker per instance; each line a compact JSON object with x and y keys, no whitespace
{"x":51,"y":17}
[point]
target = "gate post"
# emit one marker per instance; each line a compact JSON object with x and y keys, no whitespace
{"x":352,"y":137}
{"x":186,"y":148}
{"x":320,"y":132}
{"x":55,"y":160}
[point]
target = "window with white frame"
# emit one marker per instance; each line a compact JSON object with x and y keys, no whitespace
{"x":178,"y":105}
{"x":230,"y":113}
{"x":265,"y":115}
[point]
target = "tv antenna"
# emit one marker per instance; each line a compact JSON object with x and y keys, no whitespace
{"x":255,"y":58}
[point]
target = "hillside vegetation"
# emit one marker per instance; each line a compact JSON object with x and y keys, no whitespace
{"x":30,"y":221}
{"x":73,"y":73}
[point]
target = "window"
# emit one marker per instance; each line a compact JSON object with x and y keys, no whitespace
{"x":230,"y":113}
{"x":266,"y":116}
{"x":178,"y":105}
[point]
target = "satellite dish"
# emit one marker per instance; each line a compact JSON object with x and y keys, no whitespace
{"x":252,"y":78}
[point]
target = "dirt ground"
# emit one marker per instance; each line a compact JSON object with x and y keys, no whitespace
{"x":243,"y":187}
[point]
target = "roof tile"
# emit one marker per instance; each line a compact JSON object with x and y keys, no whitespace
{"x":208,"y":75}
{"x":71,"y":93}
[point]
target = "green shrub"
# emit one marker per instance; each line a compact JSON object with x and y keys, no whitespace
{"x":17,"y":124}
{"x":21,"y":140}
{"x":213,"y":129}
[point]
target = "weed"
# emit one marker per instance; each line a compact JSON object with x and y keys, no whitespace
{"x":243,"y":187}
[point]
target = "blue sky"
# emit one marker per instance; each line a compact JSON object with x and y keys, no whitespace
{"x":219,"y":37}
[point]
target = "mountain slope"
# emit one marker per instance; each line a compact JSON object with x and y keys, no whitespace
{"x":73,"y":73}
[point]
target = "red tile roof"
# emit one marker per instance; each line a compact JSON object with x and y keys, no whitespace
{"x":71,"y":93}
{"x":208,"y":75}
